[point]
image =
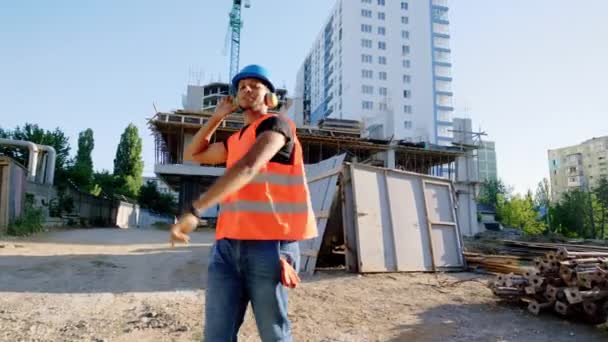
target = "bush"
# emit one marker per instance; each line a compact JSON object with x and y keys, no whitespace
{"x":29,"y":222}
{"x":63,"y":204}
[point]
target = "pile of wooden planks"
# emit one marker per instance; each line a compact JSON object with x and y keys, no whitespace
{"x":571,"y":282}
{"x":496,"y":263}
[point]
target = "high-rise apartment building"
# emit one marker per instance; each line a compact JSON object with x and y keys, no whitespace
{"x":579,"y":166}
{"x":486,"y":160}
{"x":386,"y":63}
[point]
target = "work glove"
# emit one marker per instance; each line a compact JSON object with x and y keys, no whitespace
{"x":289,"y":276}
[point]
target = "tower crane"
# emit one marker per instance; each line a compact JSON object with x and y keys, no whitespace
{"x":234,"y":29}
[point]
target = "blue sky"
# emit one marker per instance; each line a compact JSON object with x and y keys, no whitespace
{"x":532,"y":74}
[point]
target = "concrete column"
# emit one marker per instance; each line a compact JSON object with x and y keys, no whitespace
{"x":390,"y":159}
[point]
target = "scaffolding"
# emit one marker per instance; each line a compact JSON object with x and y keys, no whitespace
{"x":171,"y":131}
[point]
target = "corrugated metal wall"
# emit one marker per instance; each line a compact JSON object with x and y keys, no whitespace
{"x":12,"y":191}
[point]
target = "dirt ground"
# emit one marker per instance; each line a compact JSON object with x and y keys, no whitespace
{"x":128,"y":285}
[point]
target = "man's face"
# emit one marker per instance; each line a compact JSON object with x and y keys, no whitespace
{"x":251,"y":94}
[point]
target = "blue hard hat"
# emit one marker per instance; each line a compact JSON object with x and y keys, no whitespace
{"x":253,"y":71}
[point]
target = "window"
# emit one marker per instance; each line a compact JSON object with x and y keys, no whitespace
{"x":366,"y":58}
{"x":383,"y":91}
{"x":405,"y":49}
{"x":407,"y":78}
{"x":366,"y":13}
{"x":367,"y":105}
{"x":382,"y":75}
{"x":381,"y":2}
{"x":366,"y":43}
{"x":406,"y":63}
{"x":407,"y":109}
{"x":382,"y":45}
{"x":366,"y":1}
{"x":407,"y":124}
{"x":383,"y":106}
{"x":366,"y":28}
{"x":381,"y":16}
{"x":382,"y":60}
{"x":367,"y":89}
{"x":405,"y":20}
{"x":381,"y":30}
{"x":367,"y":73}
{"x":404,"y":5}
{"x":407,"y":94}
{"x":405,"y":34}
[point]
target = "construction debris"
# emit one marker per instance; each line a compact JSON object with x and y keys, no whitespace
{"x":496,"y":263}
{"x":572,"y":280}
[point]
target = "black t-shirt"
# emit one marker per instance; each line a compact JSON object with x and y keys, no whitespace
{"x":280,"y":125}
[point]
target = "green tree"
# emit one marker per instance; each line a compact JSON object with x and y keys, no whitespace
{"x":601,"y":195}
{"x":6,"y":150}
{"x":571,"y":215}
{"x":518,"y":212}
{"x":104,"y":183}
{"x":151,"y":198}
{"x":81,"y":171}
{"x":128,"y":164}
{"x":490,"y":191}
{"x":542,"y":200}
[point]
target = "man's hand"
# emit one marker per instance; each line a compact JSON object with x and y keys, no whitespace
{"x":289,"y":276}
{"x":180,"y":230}
{"x":225,"y":106}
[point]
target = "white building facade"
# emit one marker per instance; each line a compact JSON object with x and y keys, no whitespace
{"x":385,"y":63}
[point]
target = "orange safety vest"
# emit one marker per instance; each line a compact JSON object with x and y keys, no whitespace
{"x":275,"y":205}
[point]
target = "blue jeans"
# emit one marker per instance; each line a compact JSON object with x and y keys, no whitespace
{"x":241,"y":271}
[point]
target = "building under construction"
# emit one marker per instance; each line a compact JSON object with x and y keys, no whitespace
{"x":173,"y":131}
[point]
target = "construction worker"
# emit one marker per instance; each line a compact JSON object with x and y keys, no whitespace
{"x":265,"y":209}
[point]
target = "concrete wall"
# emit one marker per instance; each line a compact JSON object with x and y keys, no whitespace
{"x":130,"y":215}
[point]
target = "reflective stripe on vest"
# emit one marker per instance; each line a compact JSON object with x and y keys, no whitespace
{"x":277,"y":179}
{"x":265,"y":207}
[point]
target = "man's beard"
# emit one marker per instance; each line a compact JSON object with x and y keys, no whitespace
{"x":253,"y":106}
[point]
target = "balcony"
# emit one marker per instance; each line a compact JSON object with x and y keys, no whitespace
{"x":574,"y":159}
{"x":576,"y":181}
{"x":441,"y":28}
{"x":443,"y":86}
{"x":441,"y":42}
{"x":445,"y":116}
{"x":443,"y":71}
{"x":443,"y":100}
{"x":440,"y":3}
{"x":442,"y":56}
{"x":440,"y":14}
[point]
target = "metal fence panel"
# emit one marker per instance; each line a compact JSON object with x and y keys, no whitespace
{"x":403,"y":221}
{"x":322,"y":181}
